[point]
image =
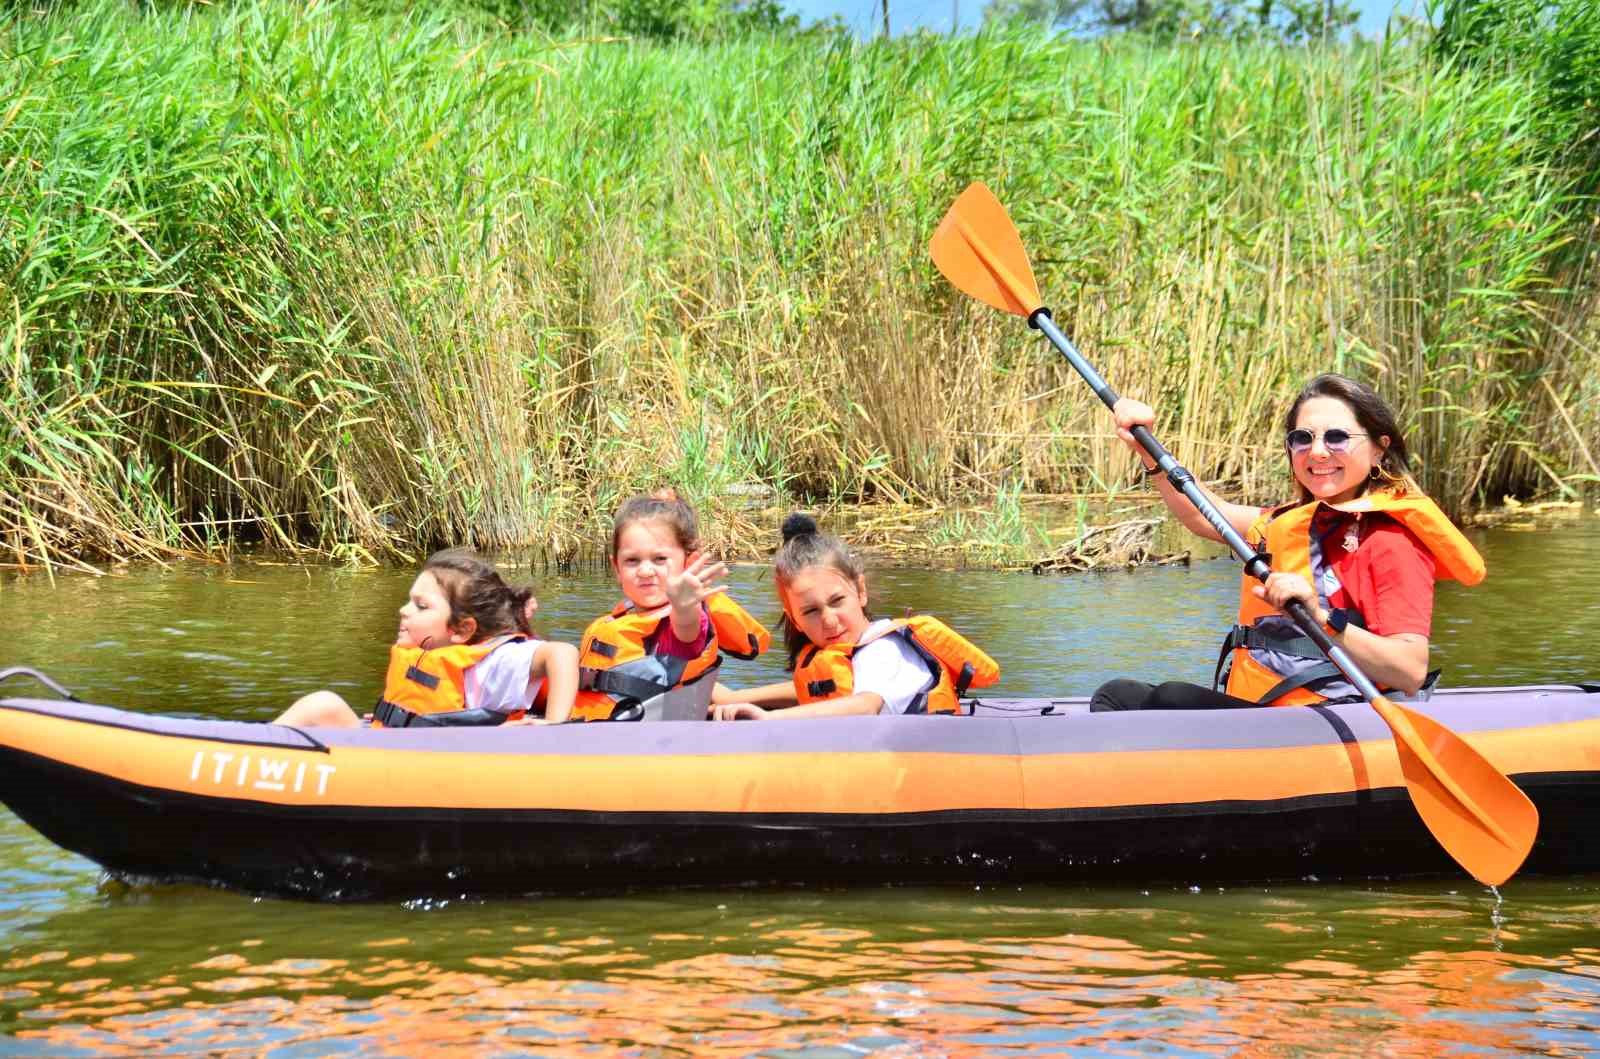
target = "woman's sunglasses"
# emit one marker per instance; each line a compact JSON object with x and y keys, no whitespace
{"x":1335,"y":440}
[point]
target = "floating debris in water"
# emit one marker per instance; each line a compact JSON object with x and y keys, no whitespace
{"x":1127,"y":543}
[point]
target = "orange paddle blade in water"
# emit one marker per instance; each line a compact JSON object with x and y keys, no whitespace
{"x":978,"y":249}
{"x":1475,"y":812}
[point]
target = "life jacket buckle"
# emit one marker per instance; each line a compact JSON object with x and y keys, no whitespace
{"x":389,"y":715}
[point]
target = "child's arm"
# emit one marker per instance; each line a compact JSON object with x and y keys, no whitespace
{"x":769,"y":695}
{"x":688,"y":590}
{"x":557,"y":663}
{"x":865,"y":702}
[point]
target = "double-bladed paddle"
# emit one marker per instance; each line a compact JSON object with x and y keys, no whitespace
{"x":1475,"y":812}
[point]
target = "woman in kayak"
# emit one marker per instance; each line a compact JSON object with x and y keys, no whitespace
{"x":843,"y":661}
{"x":1361,"y":548}
{"x":465,"y":655}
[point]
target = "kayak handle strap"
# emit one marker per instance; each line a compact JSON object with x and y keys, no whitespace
{"x":24,"y":671}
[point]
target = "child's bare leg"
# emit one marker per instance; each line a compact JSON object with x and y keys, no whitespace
{"x":320,"y":709}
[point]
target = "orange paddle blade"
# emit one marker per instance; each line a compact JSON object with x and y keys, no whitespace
{"x":978,"y":249}
{"x":1475,"y":812}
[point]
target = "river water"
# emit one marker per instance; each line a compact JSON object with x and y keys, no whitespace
{"x":95,"y":966}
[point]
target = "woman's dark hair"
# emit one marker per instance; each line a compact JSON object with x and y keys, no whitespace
{"x":663,"y":506}
{"x":804,"y":546}
{"x":475,"y":589}
{"x":1377,"y":420}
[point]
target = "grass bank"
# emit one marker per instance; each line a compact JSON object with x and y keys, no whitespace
{"x":364,"y":282}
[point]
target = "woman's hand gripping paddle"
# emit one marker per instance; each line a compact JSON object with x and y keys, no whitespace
{"x":1475,"y":812}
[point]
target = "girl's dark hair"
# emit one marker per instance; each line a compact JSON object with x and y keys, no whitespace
{"x":475,"y":589}
{"x":1377,"y":419}
{"x":804,"y":546}
{"x":663,"y":506}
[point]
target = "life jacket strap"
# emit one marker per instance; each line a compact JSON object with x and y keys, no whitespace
{"x":621,"y":685}
{"x":821,"y":688}
{"x":1299,"y":646}
{"x":1300,"y":680}
{"x":1249,"y":636}
{"x":1219,"y":675}
{"x":1328,"y":669}
{"x":964,"y":678}
{"x":919,"y":705}
{"x":389,"y":715}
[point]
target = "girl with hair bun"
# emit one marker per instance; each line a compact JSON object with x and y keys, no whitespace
{"x":843,"y":661}
{"x":465,"y":655}
{"x":666,"y":638}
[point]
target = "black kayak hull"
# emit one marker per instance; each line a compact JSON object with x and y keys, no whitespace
{"x":1024,"y":791}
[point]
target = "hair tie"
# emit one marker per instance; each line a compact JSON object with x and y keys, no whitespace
{"x":798,"y":524}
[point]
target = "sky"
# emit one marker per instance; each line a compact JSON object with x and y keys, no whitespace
{"x":863,"y":15}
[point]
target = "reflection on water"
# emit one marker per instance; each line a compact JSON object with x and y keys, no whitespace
{"x":93,"y":967}
{"x":1296,"y":970}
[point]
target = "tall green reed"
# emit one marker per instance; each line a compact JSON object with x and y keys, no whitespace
{"x":367,"y":282}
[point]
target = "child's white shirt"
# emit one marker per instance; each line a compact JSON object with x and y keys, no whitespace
{"x":890,"y":668}
{"x":499,"y":683}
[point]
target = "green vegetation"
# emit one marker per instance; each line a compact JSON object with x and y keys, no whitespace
{"x":1294,"y":21}
{"x":697,"y":20}
{"x":1005,"y":534}
{"x":366,"y":282}
{"x":1555,"y":45}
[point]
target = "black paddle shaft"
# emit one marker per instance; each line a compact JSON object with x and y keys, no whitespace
{"x":1256,"y":563}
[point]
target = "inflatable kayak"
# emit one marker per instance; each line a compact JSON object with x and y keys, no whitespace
{"x":1016,"y":791}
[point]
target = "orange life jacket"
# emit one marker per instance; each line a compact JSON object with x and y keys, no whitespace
{"x":620,"y":668}
{"x":428,"y":680}
{"x":954,"y":665}
{"x":1267,"y":659}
